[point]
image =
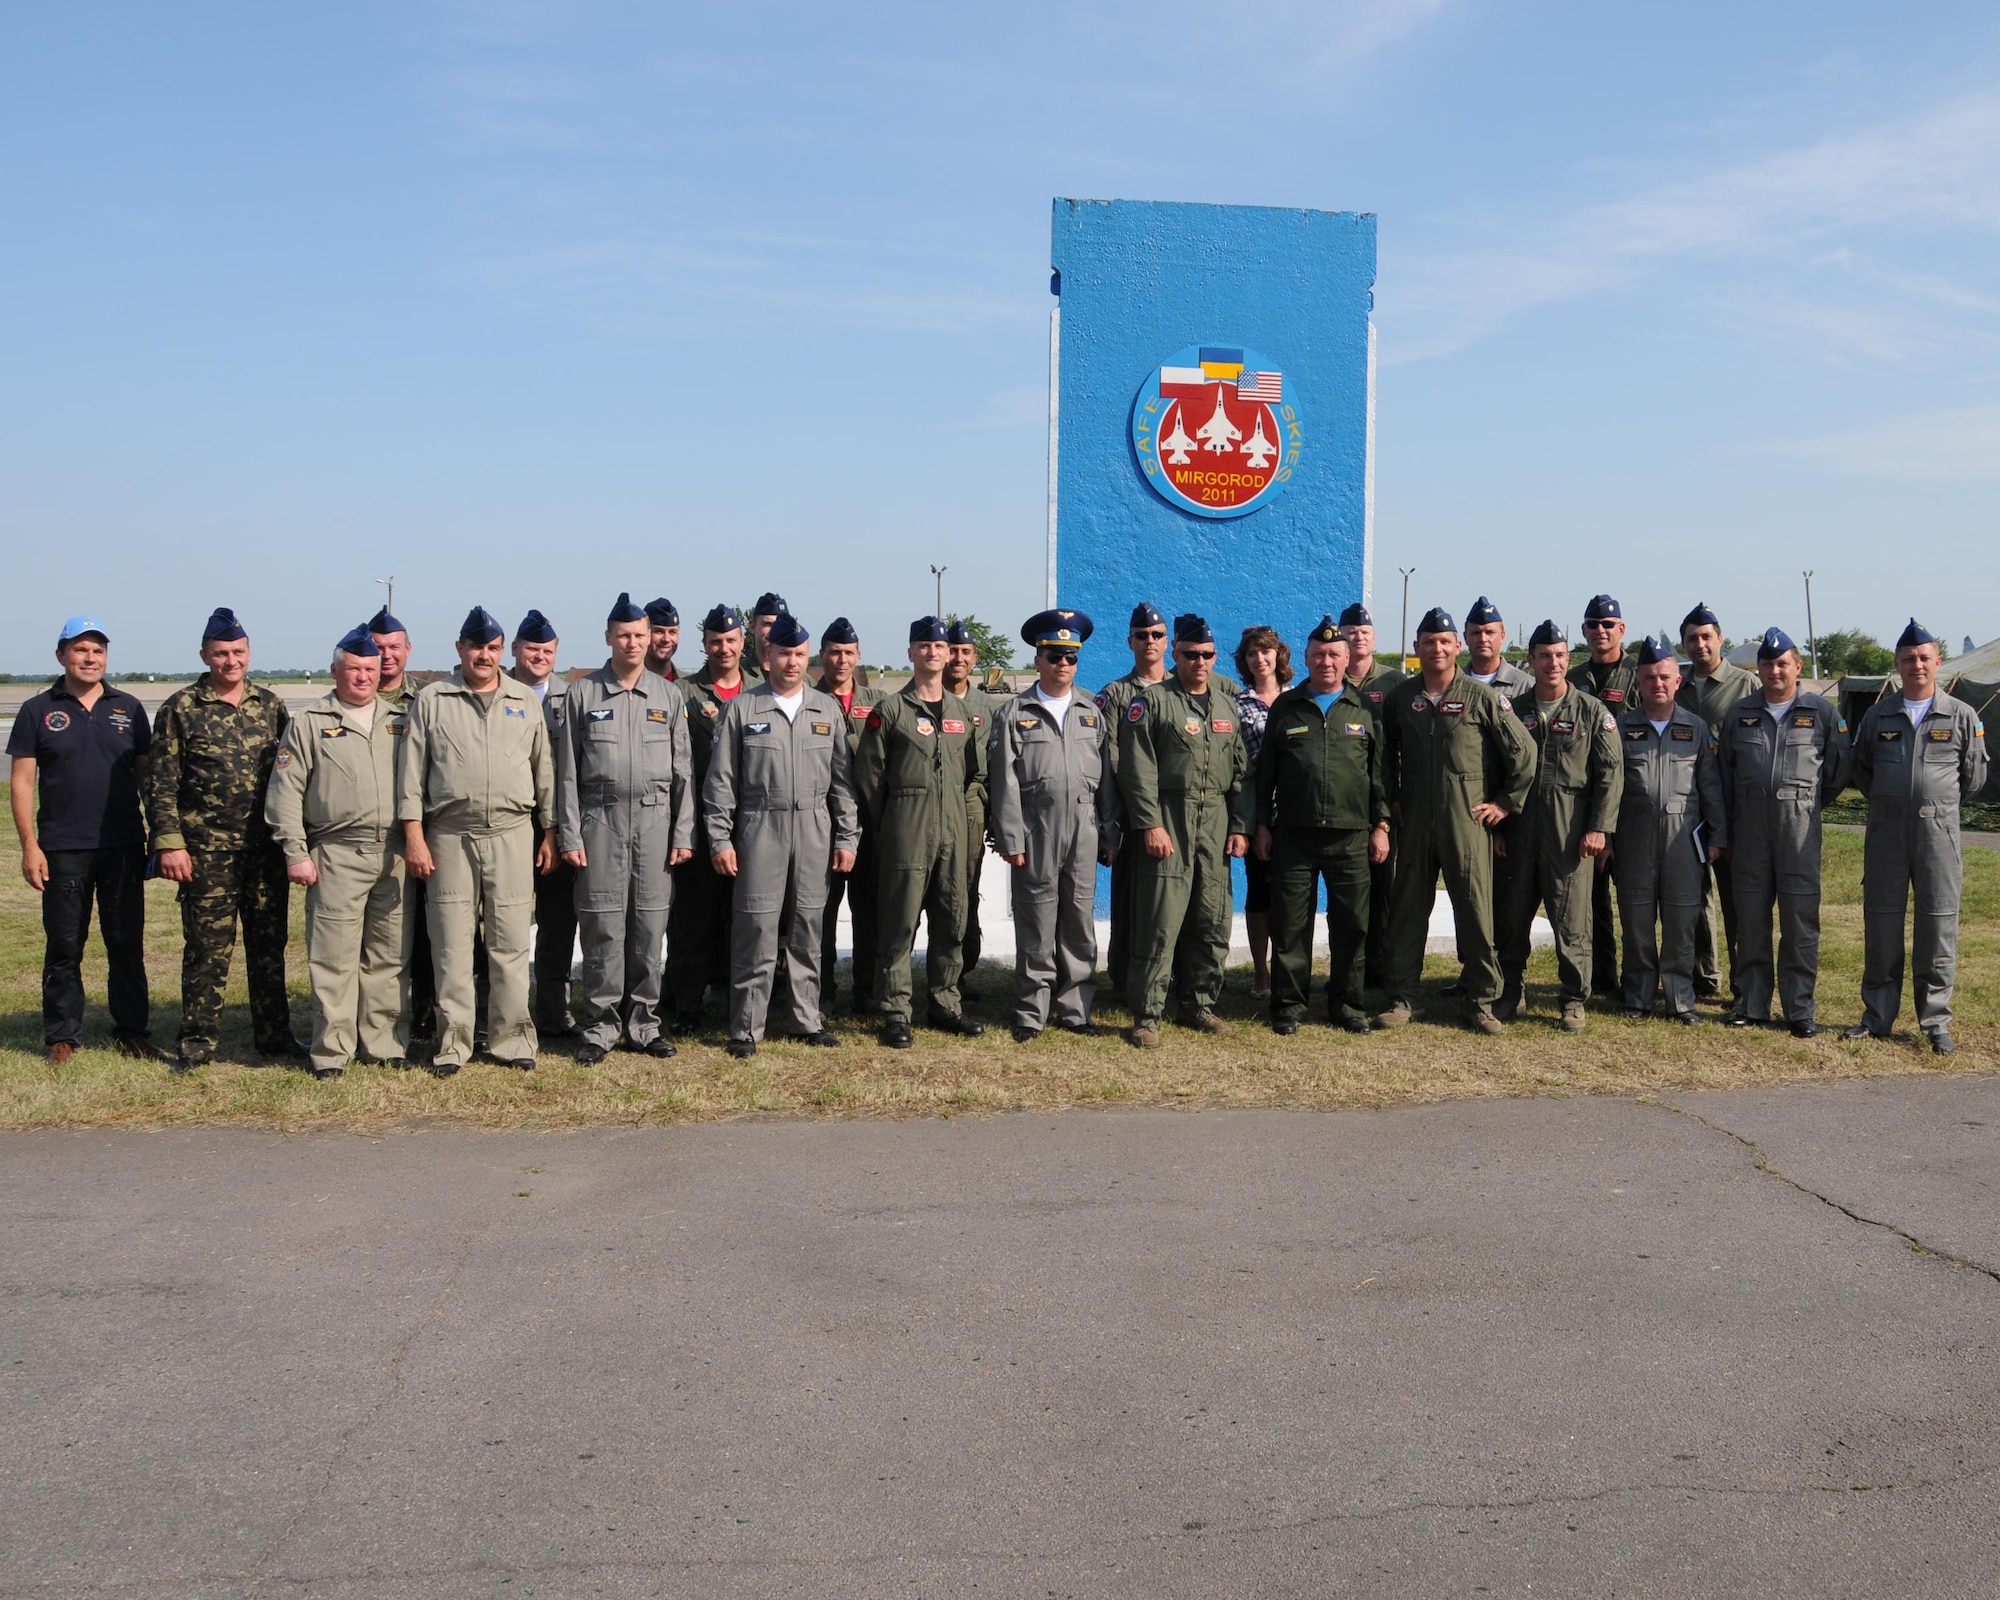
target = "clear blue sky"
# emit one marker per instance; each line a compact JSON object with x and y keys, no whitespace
{"x":527,"y":303}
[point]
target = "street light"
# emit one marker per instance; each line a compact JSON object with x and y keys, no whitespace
{"x":389,"y":600}
{"x":1812,"y":644}
{"x":938,"y":573}
{"x":1406,"y":571}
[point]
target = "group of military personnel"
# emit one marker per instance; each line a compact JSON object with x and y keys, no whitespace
{"x":441,"y":834}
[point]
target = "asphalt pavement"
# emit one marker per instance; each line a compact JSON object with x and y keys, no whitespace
{"x":1733,"y":1344}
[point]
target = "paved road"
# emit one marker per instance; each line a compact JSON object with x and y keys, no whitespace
{"x":1560,"y":1348}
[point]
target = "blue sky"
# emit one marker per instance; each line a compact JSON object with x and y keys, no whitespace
{"x":528,"y":303}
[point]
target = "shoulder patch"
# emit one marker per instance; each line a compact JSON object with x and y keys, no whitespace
{"x":284,"y":758}
{"x":874,"y":718}
{"x":1610,"y":722}
{"x":1137,"y":713}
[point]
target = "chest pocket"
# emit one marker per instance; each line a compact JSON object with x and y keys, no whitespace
{"x":1938,"y":751}
{"x":1677,"y":776}
{"x":656,"y":751}
{"x":1041,"y":757}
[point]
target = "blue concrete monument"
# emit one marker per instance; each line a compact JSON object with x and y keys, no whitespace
{"x":1211,"y":415}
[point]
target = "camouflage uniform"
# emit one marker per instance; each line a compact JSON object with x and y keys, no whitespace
{"x":205,"y":795}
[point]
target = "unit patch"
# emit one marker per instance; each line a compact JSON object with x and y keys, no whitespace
{"x":1684,"y":735}
{"x":710,"y":710}
{"x":56,"y":721}
{"x":284,"y":758}
{"x":1137,"y":713}
{"x":1191,"y":725}
{"x":924,"y":726}
{"x":512,"y":711}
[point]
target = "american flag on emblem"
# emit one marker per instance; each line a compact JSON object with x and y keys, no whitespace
{"x":1267,"y":387}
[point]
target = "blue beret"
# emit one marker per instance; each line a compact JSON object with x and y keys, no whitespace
{"x":623,"y":610}
{"x":1056,"y":628}
{"x":1146,"y":615}
{"x":1547,"y":631}
{"x":1915,"y":634}
{"x":384,"y":622}
{"x":480,"y":626}
{"x":1652,"y":652}
{"x":1700,"y":617}
{"x":358,"y":642}
{"x":721,"y":619}
{"x":840,"y":631}
{"x":1483,"y":610}
{"x":1192,"y":628}
{"x":1328,"y":631}
{"x":1602,"y":608}
{"x":1775,"y":643}
{"x":956,"y":632}
{"x":787,"y":631}
{"x":927,"y":630}
{"x":661,"y":613}
{"x":1356,"y":616}
{"x":1437,"y":620}
{"x":222,"y":624}
{"x":536,"y":629}
{"x":770,"y":605}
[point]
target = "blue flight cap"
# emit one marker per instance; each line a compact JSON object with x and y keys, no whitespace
{"x":222,"y":624}
{"x":1146,"y":615}
{"x":721,"y":619}
{"x":927,"y":630}
{"x":1776,"y":642}
{"x":1436,"y":620}
{"x":1547,"y":631}
{"x":661,"y":613}
{"x":1056,"y":628}
{"x":480,"y":627}
{"x":1700,"y":617}
{"x":1915,"y":634}
{"x":770,"y":605}
{"x":623,"y":610}
{"x":1356,"y":616}
{"x":77,"y":626}
{"x":1328,"y":632}
{"x":535,"y":629}
{"x":358,"y":642}
{"x":839,"y":631}
{"x":956,"y":632}
{"x":384,"y":622}
{"x":787,"y":631}
{"x":1192,"y":628}
{"x":1483,"y":611}
{"x":1602,"y":608}
{"x":1652,"y":652}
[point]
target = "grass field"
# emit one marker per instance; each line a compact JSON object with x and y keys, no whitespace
{"x":1320,"y":1067}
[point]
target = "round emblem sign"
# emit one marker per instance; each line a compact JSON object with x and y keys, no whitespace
{"x":56,"y":721}
{"x":1214,"y":430}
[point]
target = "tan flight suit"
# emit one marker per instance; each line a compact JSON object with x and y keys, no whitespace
{"x":332,"y":801}
{"x":1711,"y":699}
{"x":477,"y":773}
{"x":1673,"y":784}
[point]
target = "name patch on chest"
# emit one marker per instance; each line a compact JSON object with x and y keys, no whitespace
{"x":1804,"y":719}
{"x":1086,"y":719}
{"x":953,"y":725}
{"x":822,"y":727}
{"x":1938,"y":735}
{"x":1681,"y":734}
{"x":601,"y":716}
{"x":1612,"y":697}
{"x":657,"y":714}
{"x":1374,"y":695}
{"x":399,"y":727}
{"x":1224,"y":725}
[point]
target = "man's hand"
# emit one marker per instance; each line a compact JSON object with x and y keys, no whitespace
{"x":1488,"y":815}
{"x":1714,"y":855}
{"x":416,"y":853}
{"x":1378,"y":844}
{"x":576,"y":858}
{"x":34,"y":866}
{"x":1608,"y":856}
{"x":1594,"y":845}
{"x":1499,"y":847}
{"x":843,"y":861}
{"x":302,"y":872}
{"x":724,"y":862}
{"x":1159,"y":843}
{"x":1106,"y":858}
{"x":1237,"y":844}
{"x":545,"y":855}
{"x":177,"y":866}
{"x":679,"y":858}
{"x":1018,"y":859}
{"x":1262,"y":843}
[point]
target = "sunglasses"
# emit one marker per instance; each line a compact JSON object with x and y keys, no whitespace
{"x":1066,"y":656}
{"x":1149,"y":633}
{"x":1199,"y":655}
{"x":1602,"y":622}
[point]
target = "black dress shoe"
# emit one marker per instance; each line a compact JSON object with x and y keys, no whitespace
{"x":1805,"y":1030}
{"x":588,"y":1055}
{"x":1083,"y":1030}
{"x":325,"y":1074}
{"x":742,"y":1049}
{"x":140,"y":1048}
{"x":896,"y":1034}
{"x":442,"y":1069}
{"x":1736,"y":1019}
{"x":519,"y":1064}
{"x":959,"y":1023}
{"x":1861,"y":1030}
{"x":1285,"y":1027}
{"x":1023,"y":1034}
{"x":1357,"y":1024}
{"x":659,"y":1047}
{"x":826,"y":1039}
{"x":686,"y":1023}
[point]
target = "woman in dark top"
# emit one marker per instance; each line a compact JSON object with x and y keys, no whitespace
{"x":1264,"y":663}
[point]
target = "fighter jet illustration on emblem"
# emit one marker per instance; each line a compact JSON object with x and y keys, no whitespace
{"x":1219,"y":434}
{"x":1259,"y":451}
{"x":1177,"y":444}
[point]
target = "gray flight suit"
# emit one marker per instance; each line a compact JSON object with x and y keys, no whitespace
{"x":1114,"y":700}
{"x":1053,"y":799}
{"x":982,"y":706}
{"x":1712,"y":698}
{"x":1510,"y":680}
{"x":912,"y":776}
{"x":1616,"y":685}
{"x":625,"y":798}
{"x":1444,"y":754}
{"x":1182,"y":766}
{"x":332,"y":801}
{"x":477,"y":773}
{"x":1373,"y":686}
{"x":1776,"y":780}
{"x":857,"y":888}
{"x":1915,"y":780}
{"x":1575,"y":791}
{"x":779,"y":792}
{"x":1673,"y":784}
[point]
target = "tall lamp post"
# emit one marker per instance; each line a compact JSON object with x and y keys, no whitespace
{"x":389,"y":600}
{"x":938,"y":573}
{"x":1812,"y":642}
{"x":1406,"y":571}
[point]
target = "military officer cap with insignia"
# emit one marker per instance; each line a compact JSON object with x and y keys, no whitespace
{"x":1652,"y":652}
{"x":1327,"y":632}
{"x":770,"y":605}
{"x":1056,"y":628}
{"x":721,"y":619}
{"x":839,"y":631}
{"x":1547,"y":631}
{"x":1700,"y":617}
{"x":661,"y":613}
{"x":384,"y":621}
{"x":358,"y":642}
{"x":535,"y":629}
{"x":1915,"y":634}
{"x":927,"y":630}
{"x":1356,"y":616}
{"x":623,"y":610}
{"x":480,"y":627}
{"x":1191,"y":627}
{"x":1437,"y":620}
{"x":1483,"y":611}
{"x":1146,"y":615}
{"x":788,"y":631}
{"x":956,"y":632}
{"x":1775,"y":643}
{"x":1602,"y":608}
{"x":222,"y":626}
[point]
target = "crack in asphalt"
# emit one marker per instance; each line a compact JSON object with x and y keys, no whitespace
{"x":1763,"y":1164}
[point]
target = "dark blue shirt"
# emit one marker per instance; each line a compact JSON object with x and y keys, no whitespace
{"x":87,"y":765}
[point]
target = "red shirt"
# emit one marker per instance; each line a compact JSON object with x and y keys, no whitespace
{"x":731,"y":693}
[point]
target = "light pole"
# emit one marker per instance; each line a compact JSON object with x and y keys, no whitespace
{"x":1406,"y":571}
{"x":938,"y":573}
{"x":1812,"y":644}
{"x":389,"y":600}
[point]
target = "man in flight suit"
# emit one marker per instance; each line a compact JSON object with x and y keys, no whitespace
{"x":331,"y":806}
{"x":396,"y":689}
{"x":1919,"y":756}
{"x":839,"y":678}
{"x":1372,"y":678}
{"x":915,"y":766}
{"x":1710,"y":687}
{"x":1321,"y":813}
{"x":961,"y":677}
{"x":1456,"y":764}
{"x":663,"y":631}
{"x":1147,"y":639}
{"x":1671,"y":826}
{"x":535,"y":645}
{"x":1485,"y":662}
{"x":779,"y":813}
{"x":1053,"y":797}
{"x":1607,"y":675}
{"x":1183,"y":771}
{"x":1785,"y":758}
{"x":624,"y":819}
{"x":1551,"y":848}
{"x":698,"y":926}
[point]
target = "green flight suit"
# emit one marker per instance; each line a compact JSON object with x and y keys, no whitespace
{"x":917,"y":773}
{"x":1710,"y":699}
{"x":1114,"y":700}
{"x":983,"y":708}
{"x":1616,"y":685}
{"x":1373,"y":686}
{"x":1318,"y":788}
{"x":1182,"y":766}
{"x":698,"y":924}
{"x":856,"y":887}
{"x":1578,"y":780}
{"x":1444,"y":754}
{"x":1511,"y":682}
{"x":204,"y":789}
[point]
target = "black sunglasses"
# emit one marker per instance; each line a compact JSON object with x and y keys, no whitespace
{"x":1149,"y":633}
{"x":1051,"y":653}
{"x":1198,"y":655}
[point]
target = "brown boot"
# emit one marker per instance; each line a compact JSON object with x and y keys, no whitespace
{"x":60,"y":1052}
